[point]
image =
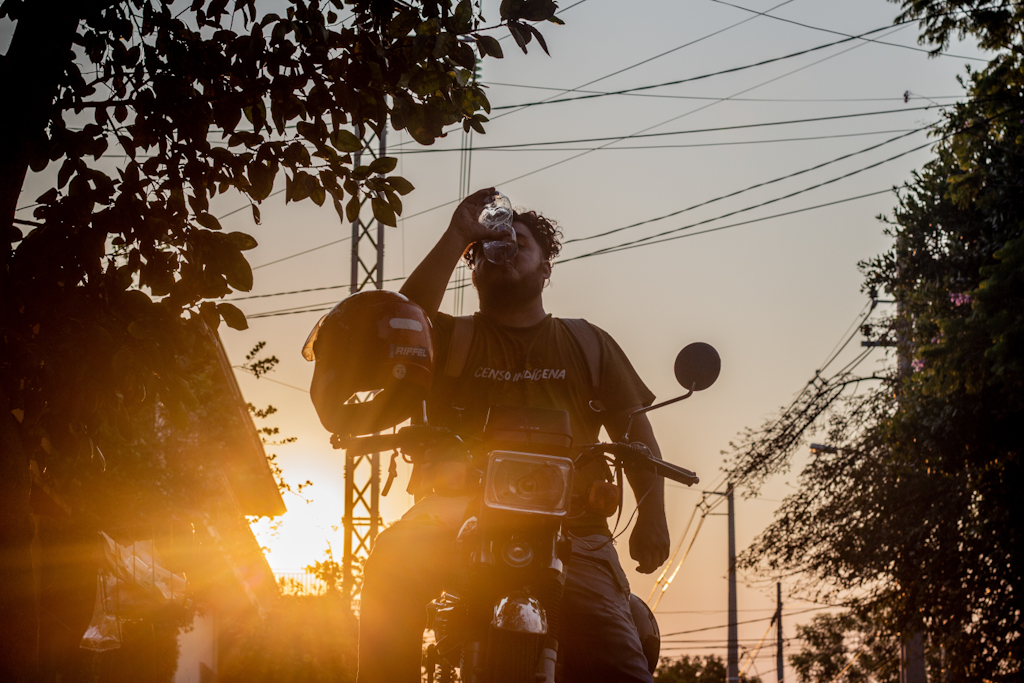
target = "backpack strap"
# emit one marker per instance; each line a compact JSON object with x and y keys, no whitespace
{"x":589,"y":344}
{"x":458,"y":346}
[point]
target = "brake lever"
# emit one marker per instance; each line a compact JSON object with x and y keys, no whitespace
{"x":392,"y":473}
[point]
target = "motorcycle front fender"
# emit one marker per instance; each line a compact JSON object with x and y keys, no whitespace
{"x":520,"y":614}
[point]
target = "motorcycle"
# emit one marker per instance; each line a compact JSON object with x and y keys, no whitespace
{"x":501,"y":621}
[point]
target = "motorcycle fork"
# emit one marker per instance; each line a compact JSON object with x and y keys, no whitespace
{"x":545,"y":581}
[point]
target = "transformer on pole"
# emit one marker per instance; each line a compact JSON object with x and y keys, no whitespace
{"x":362,"y":472}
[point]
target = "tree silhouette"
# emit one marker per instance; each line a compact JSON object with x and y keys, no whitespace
{"x":915,"y":511}
{"x":142,"y":112}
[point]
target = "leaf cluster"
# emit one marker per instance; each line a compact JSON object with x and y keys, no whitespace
{"x":850,"y":646}
{"x":917,"y":511}
{"x":696,"y":669}
{"x":995,"y":24}
{"x":124,"y":264}
{"x":301,"y":639}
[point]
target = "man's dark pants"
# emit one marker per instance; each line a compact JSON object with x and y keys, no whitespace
{"x":412,"y":561}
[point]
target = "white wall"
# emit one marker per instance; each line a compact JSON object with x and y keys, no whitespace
{"x":198,"y":651}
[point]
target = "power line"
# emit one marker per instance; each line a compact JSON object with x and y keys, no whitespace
{"x":543,"y":146}
{"x":716,"y":611}
{"x":296,"y":291}
{"x":734,"y":99}
{"x":827,"y":386}
{"x":825,"y":393}
{"x":652,"y":239}
{"x":749,"y":621}
{"x":735,"y":225}
{"x":751,"y":187}
{"x":301,"y":253}
{"x":624,"y":137}
{"x":284,"y":384}
{"x":858,"y":320}
{"x":690,"y":79}
{"x":741,"y":223}
{"x":301,"y":291}
{"x":677,"y":48}
{"x":657,"y":125}
{"x":840,"y":33}
{"x":295,"y":309}
{"x":256,"y":316}
{"x":317,"y":308}
{"x":717,"y":129}
{"x":633,"y":66}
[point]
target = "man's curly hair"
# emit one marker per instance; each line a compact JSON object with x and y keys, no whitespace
{"x":544,"y":230}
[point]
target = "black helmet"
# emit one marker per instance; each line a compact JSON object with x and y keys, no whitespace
{"x":373,"y":341}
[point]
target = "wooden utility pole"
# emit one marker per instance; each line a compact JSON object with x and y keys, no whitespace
{"x":912,"y":668}
{"x":912,"y":664}
{"x":778,"y":633}
{"x":732,"y":658}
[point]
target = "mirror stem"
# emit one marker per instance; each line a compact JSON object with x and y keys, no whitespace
{"x":641,"y":411}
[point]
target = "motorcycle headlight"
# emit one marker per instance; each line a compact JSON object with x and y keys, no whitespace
{"x":524,"y":482}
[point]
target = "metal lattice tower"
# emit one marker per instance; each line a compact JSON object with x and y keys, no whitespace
{"x":362,"y":519}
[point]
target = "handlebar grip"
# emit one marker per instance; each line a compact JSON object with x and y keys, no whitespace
{"x":674,"y":472}
{"x":639,"y":455}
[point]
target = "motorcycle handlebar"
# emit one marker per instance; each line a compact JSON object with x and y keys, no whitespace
{"x":639,"y":455}
{"x":415,"y":437}
{"x":674,"y":472}
{"x":631,"y":454}
{"x":377,"y":443}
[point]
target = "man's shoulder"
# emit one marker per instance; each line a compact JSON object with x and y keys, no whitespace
{"x":583,"y":325}
{"x":443,"y":322}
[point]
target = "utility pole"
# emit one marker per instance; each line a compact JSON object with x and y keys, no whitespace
{"x":778,"y":632}
{"x":912,"y":664}
{"x":732,"y":659}
{"x":912,"y":668}
{"x":362,"y":472}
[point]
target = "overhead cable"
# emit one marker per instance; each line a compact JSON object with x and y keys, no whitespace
{"x":652,"y":239}
{"x":624,"y":137}
{"x":714,"y":129}
{"x":672,"y":559}
{"x":751,"y":187}
{"x":640,"y":63}
{"x":657,"y":125}
{"x":748,"y":621}
{"x":840,"y":33}
{"x":302,"y":291}
{"x":722,"y":72}
{"x":693,"y":145}
{"x":900,"y":98}
{"x":514,"y":108}
{"x":757,"y":649}
{"x":672,"y":576}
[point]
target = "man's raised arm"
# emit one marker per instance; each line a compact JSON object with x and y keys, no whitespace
{"x":427,"y":284}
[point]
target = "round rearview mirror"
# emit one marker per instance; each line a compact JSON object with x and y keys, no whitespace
{"x":697,"y":366}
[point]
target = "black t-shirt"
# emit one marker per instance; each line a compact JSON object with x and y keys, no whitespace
{"x":541,"y":366}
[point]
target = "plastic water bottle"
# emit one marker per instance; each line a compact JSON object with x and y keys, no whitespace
{"x":497,"y":215}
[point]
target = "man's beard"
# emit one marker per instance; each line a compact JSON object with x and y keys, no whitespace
{"x":497,"y":289}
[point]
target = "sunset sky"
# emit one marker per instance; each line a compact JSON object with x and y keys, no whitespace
{"x":773,"y":296}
